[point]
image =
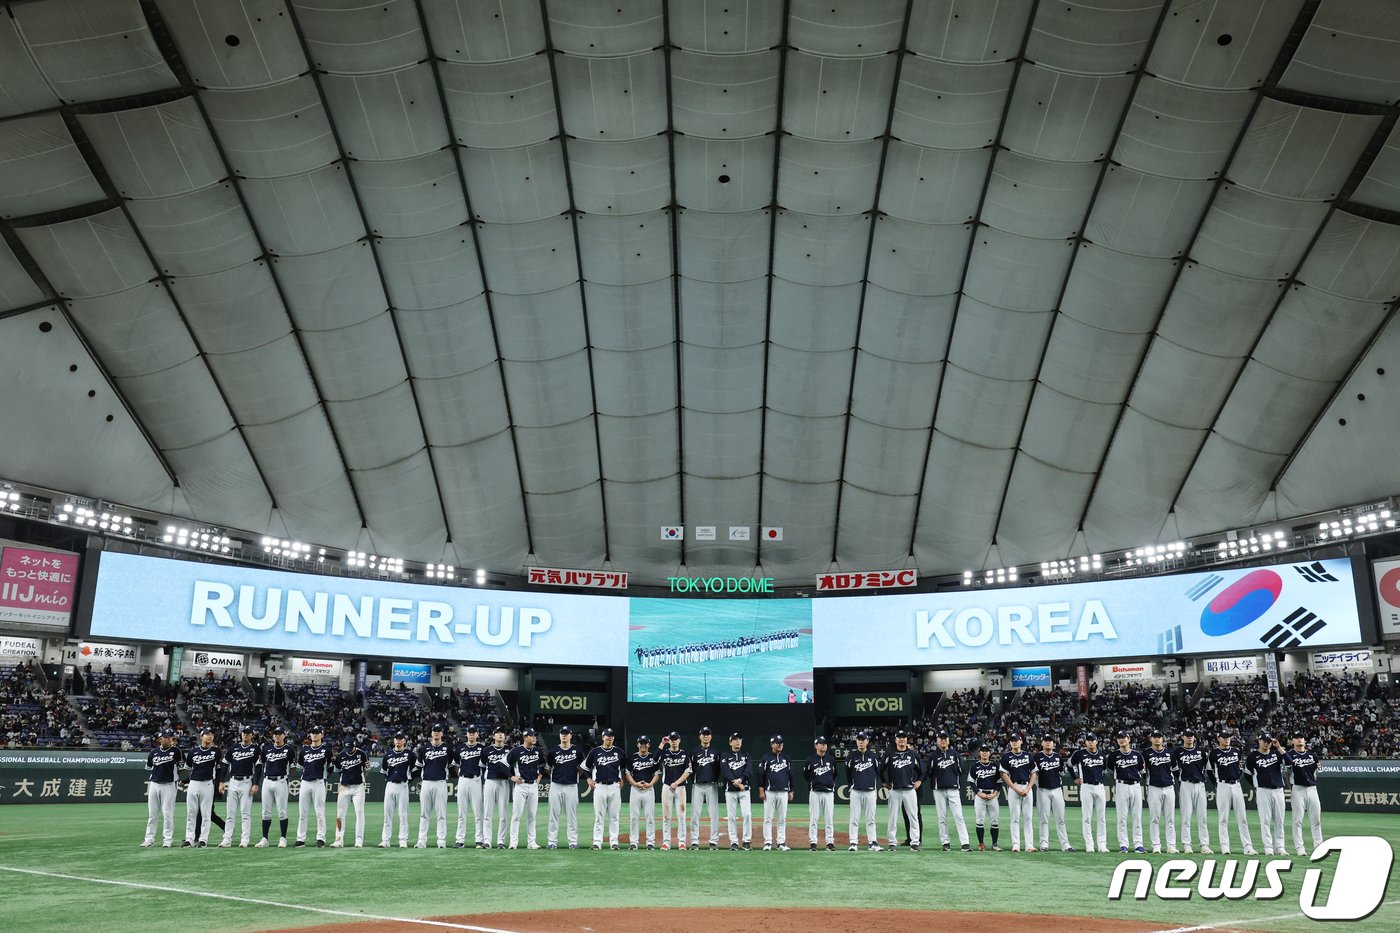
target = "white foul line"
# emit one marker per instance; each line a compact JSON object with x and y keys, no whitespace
{"x":1230,"y":923}
{"x":253,"y":900}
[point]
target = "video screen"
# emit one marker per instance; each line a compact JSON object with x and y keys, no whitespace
{"x":720,"y":651}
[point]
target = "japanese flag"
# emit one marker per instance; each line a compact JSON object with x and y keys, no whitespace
{"x":672,"y":533}
{"x":772,"y":534}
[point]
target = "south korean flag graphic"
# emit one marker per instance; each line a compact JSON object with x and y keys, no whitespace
{"x":1281,"y":606}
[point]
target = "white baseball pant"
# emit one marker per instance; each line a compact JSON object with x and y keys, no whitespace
{"x":1022,"y":818}
{"x":160,"y":806}
{"x":775,"y":807}
{"x":432,"y":808}
{"x":672,"y":805}
{"x":1193,"y":808}
{"x":1127,"y":803}
{"x":312,"y":794}
{"x":863,"y":814}
{"x":1050,"y":801}
{"x":641,"y":808}
{"x":1271,"y":819}
{"x":563,"y":800}
{"x":948,"y":803}
{"x":495,"y":798}
{"x":1092,"y":801}
{"x":738,"y":811}
{"x":469,"y":801}
{"x":1306,"y":806}
{"x":240,"y":806}
{"x":702,"y":796}
{"x":987,"y":812}
{"x":524,"y":803}
{"x":908,"y":801}
{"x":274,"y":798}
{"x":607,"y":812}
{"x":199,"y":800}
{"x":821,"y":807}
{"x":1161,"y":808}
{"x":348,"y":795}
{"x":1230,"y":797}
{"x":395,"y":805}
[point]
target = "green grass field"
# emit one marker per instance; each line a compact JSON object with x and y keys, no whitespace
{"x":99,"y":842}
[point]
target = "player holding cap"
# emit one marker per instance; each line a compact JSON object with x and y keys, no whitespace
{"x":563,"y":789}
{"x":1161,"y":791}
{"x":163,"y":764}
{"x":433,"y":758}
{"x":271,"y":776}
{"x":863,"y":777}
{"x":1050,"y":771}
{"x":674,"y":763}
{"x":604,"y":769}
{"x":1265,"y":768}
{"x":203,"y":761}
{"x":313,"y":761}
{"x":820,"y":772}
{"x":704,"y":770}
{"x":497,"y":789}
{"x":1226,"y":765}
{"x":1301,"y":765}
{"x":350,"y":761}
{"x":242,"y":761}
{"x":468,"y":766}
{"x":1087,"y":763}
{"x":985,"y":778}
{"x":775,"y":790}
{"x":1018,"y":773}
{"x":1126,"y":765}
{"x":1192,"y":761}
{"x":642,"y":772}
{"x":945,"y":773}
{"x":526,"y":764}
{"x":736,"y":770}
{"x":397,"y":767}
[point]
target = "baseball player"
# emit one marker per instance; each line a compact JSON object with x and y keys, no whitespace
{"x":496,"y":790}
{"x":350,"y":762}
{"x":1050,"y":771}
{"x":1017,"y":773}
{"x":945,"y":773}
{"x":674,"y":762}
{"x":604,"y":768}
{"x":704,"y":771}
{"x":736,"y":771}
{"x":526,"y":766}
{"x":313,"y":761}
{"x":863,"y":778}
{"x":1126,"y":765}
{"x":397,"y":767}
{"x":642,"y":772}
{"x":775,"y":790}
{"x":904,"y":775}
{"x":1265,"y":768}
{"x":985,"y":778}
{"x":242,"y":761}
{"x":163,"y":762}
{"x":1191,"y":762}
{"x":271,"y":776}
{"x":1301,"y":771}
{"x":1226,"y":766}
{"x":820,"y":772}
{"x":203,"y":761}
{"x":433,"y":759}
{"x":1087,"y":763}
{"x":1161,"y":791}
{"x":563,"y":789}
{"x":468,"y":766}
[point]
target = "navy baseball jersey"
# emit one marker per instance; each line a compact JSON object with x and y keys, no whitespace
{"x":673,"y":765}
{"x":496,"y":763}
{"x":1225,"y":763}
{"x":1303,"y":766}
{"x":945,"y":769}
{"x":820,"y":772}
{"x":1161,"y":762}
{"x":351,"y":765}
{"x":1127,"y":767}
{"x":396,"y":765}
{"x":704,"y":765}
{"x":902,"y":769}
{"x":1088,"y":766}
{"x":469,"y":759}
{"x":433,"y":760}
{"x":643,"y":767}
{"x":203,"y":762}
{"x":563,"y":765}
{"x":1017,"y":766}
{"x":1049,"y":769}
{"x":162,"y":762}
{"x":527,"y":763}
{"x":313,"y":762}
{"x":735,"y":766}
{"x":242,"y":760}
{"x":985,"y":776}
{"x":1266,"y":769}
{"x":604,"y":765}
{"x":775,"y":773}
{"x":276,"y":760}
{"x":862,"y":770}
{"x":1192,"y":763}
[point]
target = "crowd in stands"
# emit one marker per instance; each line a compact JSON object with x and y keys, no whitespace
{"x":1039,"y":712}
{"x":221,"y":704}
{"x":1329,"y":709}
{"x":1134,"y":708}
{"x":1240,"y":704}
{"x":30,"y":715}
{"x":474,"y":707}
{"x":123,"y":710}
{"x":318,"y":704}
{"x":398,"y":707}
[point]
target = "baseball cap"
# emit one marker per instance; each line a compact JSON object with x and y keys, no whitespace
{"x":316,"y":730}
{"x":1156,"y":734}
{"x":819,"y":740}
{"x":437,"y":727}
{"x":530,"y":732}
{"x":1265,"y":737}
{"x":776,"y":740}
{"x":1047,"y":738}
{"x":1091,"y":737}
{"x":1190,"y":732}
{"x":608,"y":731}
{"x":1120,"y":734}
{"x":941,"y":735}
{"x":1225,"y":733}
{"x":862,"y":734}
{"x":673,"y":734}
{"x":705,"y":730}
{"x":643,"y":740}
{"x":1015,"y":737}
{"x":734,"y":735}
{"x":901,"y":734}
{"x":206,"y":731}
{"x":278,"y":730}
{"x":1299,"y":734}
{"x":566,"y":730}
{"x":167,"y":733}
{"x":245,"y":729}
{"x":984,"y":748}
{"x":474,"y":727}
{"x":400,"y":735}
